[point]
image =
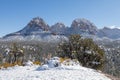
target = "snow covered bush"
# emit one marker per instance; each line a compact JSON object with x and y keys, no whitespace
{"x":84,"y":50}
{"x":28,"y":63}
{"x":54,"y":62}
{"x":51,"y":63}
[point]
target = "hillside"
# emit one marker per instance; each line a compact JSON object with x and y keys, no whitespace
{"x":50,"y":72}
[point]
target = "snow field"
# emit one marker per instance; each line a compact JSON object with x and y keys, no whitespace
{"x":51,"y":72}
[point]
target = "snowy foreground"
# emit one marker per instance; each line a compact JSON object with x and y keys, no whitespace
{"x":49,"y":72}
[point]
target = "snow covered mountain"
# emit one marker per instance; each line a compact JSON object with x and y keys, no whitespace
{"x":58,"y":28}
{"x":109,"y":33}
{"x":35,"y":26}
{"x":37,"y":29}
{"x":82,"y":26}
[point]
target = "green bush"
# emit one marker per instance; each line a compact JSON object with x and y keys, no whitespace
{"x":85,"y":51}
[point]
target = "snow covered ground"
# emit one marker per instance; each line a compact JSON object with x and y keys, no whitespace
{"x":46,"y":72}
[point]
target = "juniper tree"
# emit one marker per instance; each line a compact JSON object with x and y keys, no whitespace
{"x":85,"y":51}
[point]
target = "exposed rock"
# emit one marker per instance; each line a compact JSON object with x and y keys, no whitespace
{"x":36,"y":25}
{"x":58,"y":28}
{"x":83,"y":25}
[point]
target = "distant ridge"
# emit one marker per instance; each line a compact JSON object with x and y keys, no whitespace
{"x":38,"y":29}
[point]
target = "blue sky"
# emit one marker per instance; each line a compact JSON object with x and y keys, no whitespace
{"x":15,"y":14}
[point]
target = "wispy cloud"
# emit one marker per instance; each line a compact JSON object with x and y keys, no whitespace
{"x":112,"y":27}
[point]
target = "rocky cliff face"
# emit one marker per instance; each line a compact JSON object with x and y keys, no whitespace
{"x":58,"y":28}
{"x":84,"y":26}
{"x":36,"y":25}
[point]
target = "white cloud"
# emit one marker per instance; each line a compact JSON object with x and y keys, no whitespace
{"x":112,"y":27}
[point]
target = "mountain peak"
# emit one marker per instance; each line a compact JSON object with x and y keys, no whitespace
{"x":37,"y":20}
{"x":78,"y":20}
{"x":84,"y":25}
{"x":59,"y":24}
{"x":58,"y":28}
{"x":39,"y":23}
{"x":81,"y":22}
{"x":36,"y":25}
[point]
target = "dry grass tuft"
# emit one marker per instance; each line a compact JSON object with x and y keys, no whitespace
{"x":37,"y":62}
